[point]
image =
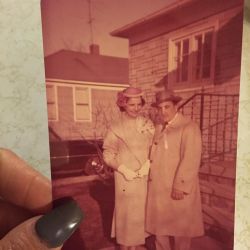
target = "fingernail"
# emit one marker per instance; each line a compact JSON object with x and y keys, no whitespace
{"x":55,"y":227}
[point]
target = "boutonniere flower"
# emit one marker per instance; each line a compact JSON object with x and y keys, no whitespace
{"x":144,"y":125}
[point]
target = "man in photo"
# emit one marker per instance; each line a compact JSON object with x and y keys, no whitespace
{"x":174,"y":203}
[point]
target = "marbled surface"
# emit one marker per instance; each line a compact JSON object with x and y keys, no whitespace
{"x":242,"y":215}
{"x":23,"y":122}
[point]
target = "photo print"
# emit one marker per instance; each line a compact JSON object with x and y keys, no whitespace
{"x":93,"y":50}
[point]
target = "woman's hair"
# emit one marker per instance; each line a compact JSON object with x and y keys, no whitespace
{"x":122,"y":107}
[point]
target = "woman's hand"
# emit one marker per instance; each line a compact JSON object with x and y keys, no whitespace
{"x":144,"y":170}
{"x":128,"y":174}
{"x":25,"y":193}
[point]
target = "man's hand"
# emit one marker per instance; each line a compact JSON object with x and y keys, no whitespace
{"x":177,"y":194}
{"x":127,"y":173}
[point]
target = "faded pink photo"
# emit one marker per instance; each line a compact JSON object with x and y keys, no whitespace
{"x":94,"y":50}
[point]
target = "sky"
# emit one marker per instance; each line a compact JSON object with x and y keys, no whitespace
{"x":66,"y":23}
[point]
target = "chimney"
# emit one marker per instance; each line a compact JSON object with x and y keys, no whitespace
{"x":94,"y":49}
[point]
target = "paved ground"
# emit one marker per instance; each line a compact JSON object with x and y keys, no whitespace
{"x":97,"y":201}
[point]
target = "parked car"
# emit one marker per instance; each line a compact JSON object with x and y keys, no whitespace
{"x":78,"y":157}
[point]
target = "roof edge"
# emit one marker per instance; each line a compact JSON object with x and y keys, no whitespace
{"x":118,"y":32}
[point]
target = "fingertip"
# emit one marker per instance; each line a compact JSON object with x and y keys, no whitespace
{"x":49,"y":231}
{"x":58,"y":225}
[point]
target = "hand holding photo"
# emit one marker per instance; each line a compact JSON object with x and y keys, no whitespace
{"x":185,"y":58}
{"x":25,"y":194}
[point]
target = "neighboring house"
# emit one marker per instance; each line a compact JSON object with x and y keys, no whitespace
{"x":194,"y":47}
{"x":81,"y":92}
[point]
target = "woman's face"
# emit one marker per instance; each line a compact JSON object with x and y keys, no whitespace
{"x":133,"y":106}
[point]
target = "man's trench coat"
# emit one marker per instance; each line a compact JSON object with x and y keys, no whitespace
{"x":175,"y":160}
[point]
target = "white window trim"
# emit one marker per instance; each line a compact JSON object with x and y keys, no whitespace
{"x":54,"y":86}
{"x":89,"y":103}
{"x":90,"y":85}
{"x":186,"y":32}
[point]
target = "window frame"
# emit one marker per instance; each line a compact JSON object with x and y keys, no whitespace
{"x":54,"y":86}
{"x":89,"y":104}
{"x":190,"y":32}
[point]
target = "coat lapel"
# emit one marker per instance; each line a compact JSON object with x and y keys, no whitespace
{"x":121,"y":132}
{"x":161,"y":131}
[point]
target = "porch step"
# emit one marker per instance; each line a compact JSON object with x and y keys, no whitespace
{"x":205,"y":243}
{"x":218,"y":217}
{"x":214,"y":188}
{"x":226,"y":169}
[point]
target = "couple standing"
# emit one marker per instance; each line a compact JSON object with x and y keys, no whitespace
{"x":165,"y":200}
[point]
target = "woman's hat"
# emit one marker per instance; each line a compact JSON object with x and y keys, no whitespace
{"x":132,"y":92}
{"x":127,"y":93}
{"x":164,"y":96}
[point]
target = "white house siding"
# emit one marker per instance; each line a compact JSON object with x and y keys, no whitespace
{"x":102,"y":110}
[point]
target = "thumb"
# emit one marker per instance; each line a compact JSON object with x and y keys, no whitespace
{"x":45,"y":232}
{"x":24,"y":237}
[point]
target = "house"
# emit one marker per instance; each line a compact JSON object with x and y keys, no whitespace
{"x":194,"y":48}
{"x":81,"y":92}
{"x":187,"y":46}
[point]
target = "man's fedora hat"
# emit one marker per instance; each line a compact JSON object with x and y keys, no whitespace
{"x":164,"y":96}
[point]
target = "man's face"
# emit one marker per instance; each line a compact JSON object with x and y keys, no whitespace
{"x":133,"y":106}
{"x":167,"y":110}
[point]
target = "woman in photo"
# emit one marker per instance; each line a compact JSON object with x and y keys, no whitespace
{"x":126,"y":148}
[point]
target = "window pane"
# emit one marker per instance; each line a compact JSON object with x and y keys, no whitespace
{"x":197,"y":56}
{"x":206,"y":72}
{"x":208,"y":40}
{"x":184,"y":72}
{"x":50,"y":93}
{"x":178,"y":60}
{"x":185,"y":55}
{"x":185,"y":47}
{"x":82,"y":112}
{"x":51,"y":111}
{"x":81,"y":96}
{"x":207,"y":55}
{"x":178,"y":49}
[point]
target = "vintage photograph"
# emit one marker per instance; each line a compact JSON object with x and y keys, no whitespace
{"x":142,"y":101}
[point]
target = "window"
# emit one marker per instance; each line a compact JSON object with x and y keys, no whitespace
{"x":192,"y":57}
{"x":181,"y":60}
{"x":51,"y":102}
{"x":82,"y":104}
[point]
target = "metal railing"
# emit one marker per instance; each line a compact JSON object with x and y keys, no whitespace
{"x":217,"y":116}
